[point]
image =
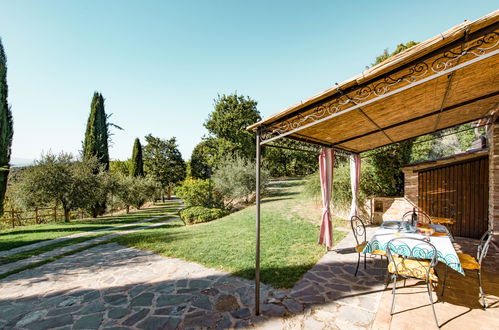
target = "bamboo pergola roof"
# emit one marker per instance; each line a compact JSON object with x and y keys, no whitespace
{"x":447,"y":80}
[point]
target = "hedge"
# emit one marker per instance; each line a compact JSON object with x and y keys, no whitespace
{"x":200,"y":214}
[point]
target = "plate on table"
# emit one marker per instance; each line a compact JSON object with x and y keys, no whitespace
{"x":439,"y":230}
{"x":390,"y":224}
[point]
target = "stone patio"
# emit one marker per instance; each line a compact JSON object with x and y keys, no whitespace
{"x":114,"y":287}
{"x":460,"y":308}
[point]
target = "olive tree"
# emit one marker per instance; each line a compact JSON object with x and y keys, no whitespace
{"x":235,"y":179}
{"x":62,"y":180}
{"x":135,"y":191}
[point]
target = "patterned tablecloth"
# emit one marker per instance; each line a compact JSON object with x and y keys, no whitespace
{"x":445,"y":250}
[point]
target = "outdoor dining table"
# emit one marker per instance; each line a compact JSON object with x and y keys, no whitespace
{"x":441,"y":240}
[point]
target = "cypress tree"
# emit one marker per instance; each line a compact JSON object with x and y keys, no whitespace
{"x":6,"y":127}
{"x":96,"y":141}
{"x":137,"y":161}
{"x":96,"y":134}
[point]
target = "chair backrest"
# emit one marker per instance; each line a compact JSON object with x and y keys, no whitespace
{"x":422,"y":217}
{"x":420,"y":252}
{"x":443,"y":208}
{"x":483,"y":247}
{"x":358,"y":229}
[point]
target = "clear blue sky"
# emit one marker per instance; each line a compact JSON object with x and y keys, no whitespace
{"x":160,"y":64}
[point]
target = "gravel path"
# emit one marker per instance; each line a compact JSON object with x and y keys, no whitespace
{"x":38,"y":245}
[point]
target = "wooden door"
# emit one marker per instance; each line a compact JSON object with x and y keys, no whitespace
{"x":460,"y":191}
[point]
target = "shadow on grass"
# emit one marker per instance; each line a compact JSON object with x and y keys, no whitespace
{"x":287,"y":183}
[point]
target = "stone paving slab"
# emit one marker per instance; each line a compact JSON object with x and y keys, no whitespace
{"x":114,"y":287}
{"x":329,"y":296}
{"x":462,"y":307}
{"x":65,"y":238}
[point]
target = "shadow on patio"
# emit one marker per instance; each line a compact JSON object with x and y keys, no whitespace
{"x":459,"y":308}
{"x":113,"y":286}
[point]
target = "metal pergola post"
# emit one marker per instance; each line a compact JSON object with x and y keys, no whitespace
{"x":257,"y":243}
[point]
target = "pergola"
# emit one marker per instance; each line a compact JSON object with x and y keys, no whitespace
{"x":450,"y":79}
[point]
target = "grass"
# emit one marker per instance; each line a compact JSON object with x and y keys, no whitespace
{"x":26,"y":235}
{"x":288,"y":239}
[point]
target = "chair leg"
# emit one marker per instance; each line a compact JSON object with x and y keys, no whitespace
{"x":358,"y":262}
{"x":365,"y":261}
{"x":393,"y":292}
{"x":387,"y":278}
{"x":431,"y":301}
{"x":484,"y":304}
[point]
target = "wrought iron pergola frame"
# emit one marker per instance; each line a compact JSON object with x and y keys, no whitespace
{"x":474,"y":47}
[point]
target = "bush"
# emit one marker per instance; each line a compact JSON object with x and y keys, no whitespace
{"x":135,"y":191}
{"x":200,"y":214}
{"x":235,"y":179}
{"x":198,"y":192}
{"x":342,"y":191}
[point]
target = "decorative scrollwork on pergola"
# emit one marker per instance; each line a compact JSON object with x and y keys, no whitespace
{"x":432,"y":67}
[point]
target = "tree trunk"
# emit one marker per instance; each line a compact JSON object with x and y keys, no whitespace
{"x":127,"y":209}
{"x":67,"y":214}
{"x":169,"y":192}
{"x":4,"y":173}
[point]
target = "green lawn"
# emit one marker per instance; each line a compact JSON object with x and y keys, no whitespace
{"x":288,"y":239}
{"x":25,"y":235}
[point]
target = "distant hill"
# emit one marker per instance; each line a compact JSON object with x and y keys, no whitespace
{"x":21,"y":162}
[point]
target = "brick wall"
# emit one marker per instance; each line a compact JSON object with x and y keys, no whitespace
{"x":411,"y":185}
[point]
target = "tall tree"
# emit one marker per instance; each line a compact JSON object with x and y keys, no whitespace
{"x":163,"y":161}
{"x":386,"y":54}
{"x":96,"y":143}
{"x":228,"y":121}
{"x":6,"y":127}
{"x":201,"y":161}
{"x":137,"y":161}
{"x":288,"y":162}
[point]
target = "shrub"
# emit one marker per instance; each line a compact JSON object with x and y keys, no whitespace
{"x":135,"y":191}
{"x":342,"y":192}
{"x":235,"y":179}
{"x":200,"y":214}
{"x":198,"y":192}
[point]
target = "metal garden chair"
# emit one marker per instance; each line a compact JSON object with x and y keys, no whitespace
{"x":414,"y":267}
{"x":470,"y":263}
{"x":359,"y":232}
{"x":448,"y":209}
{"x":425,"y":218}
{"x":421,"y":216}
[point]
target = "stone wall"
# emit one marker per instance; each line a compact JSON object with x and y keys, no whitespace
{"x":388,"y":208}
